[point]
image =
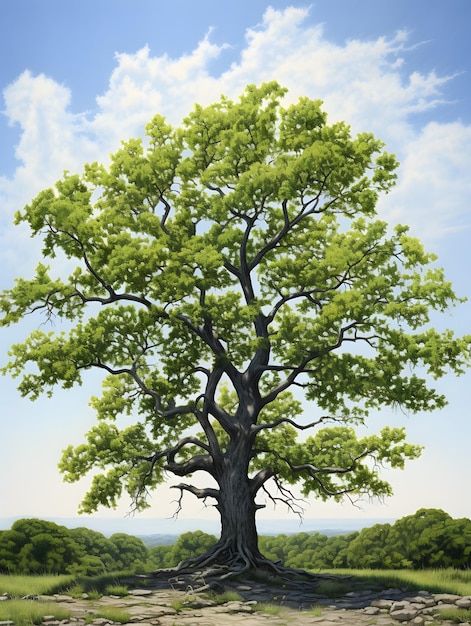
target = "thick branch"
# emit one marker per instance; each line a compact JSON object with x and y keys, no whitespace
{"x":200,"y":493}
{"x":200,"y":462}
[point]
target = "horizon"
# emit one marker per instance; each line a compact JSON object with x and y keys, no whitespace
{"x":163,"y":526}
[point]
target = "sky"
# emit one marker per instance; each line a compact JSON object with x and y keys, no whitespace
{"x":79,"y":77}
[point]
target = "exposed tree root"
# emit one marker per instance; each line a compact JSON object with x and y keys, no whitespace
{"x":209,"y":571}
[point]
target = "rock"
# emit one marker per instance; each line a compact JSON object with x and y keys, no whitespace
{"x":371,"y":610}
{"x":464,"y":602}
{"x":446,"y":598}
{"x":398,"y":605}
{"x":382,"y":603}
{"x":141,"y":592}
{"x":404,"y":614}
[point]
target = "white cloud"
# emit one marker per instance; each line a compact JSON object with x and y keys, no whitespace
{"x":142,"y":85}
{"x":361,"y":81}
{"x":52,"y":138}
{"x":433,"y":194}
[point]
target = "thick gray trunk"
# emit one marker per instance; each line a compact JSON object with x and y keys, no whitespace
{"x":237,"y":508}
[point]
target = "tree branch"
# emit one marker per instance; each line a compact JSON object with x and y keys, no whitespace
{"x":202,"y":494}
{"x":170,"y":411}
{"x":256,"y":428}
{"x":287,"y":497}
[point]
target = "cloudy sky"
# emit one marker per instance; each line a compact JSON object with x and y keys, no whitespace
{"x":77,"y":77}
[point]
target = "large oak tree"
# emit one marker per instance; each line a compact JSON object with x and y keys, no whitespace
{"x":222,"y":271}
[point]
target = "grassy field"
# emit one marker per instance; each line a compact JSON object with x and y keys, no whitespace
{"x":27,"y":612}
{"x":437,"y":580}
{"x":18,"y":586}
{"x":433,"y":580}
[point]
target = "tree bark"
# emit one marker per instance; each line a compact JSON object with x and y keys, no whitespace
{"x":239,"y":538}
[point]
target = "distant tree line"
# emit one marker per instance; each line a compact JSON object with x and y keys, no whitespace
{"x":429,"y":538}
{"x":34,"y":546}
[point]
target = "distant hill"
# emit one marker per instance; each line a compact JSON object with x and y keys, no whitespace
{"x":150,"y":541}
{"x":166,"y":531}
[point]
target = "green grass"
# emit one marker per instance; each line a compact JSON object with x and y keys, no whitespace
{"x":335,"y":588}
{"x":225,"y":596}
{"x":315,"y":611}
{"x":113,"y":614}
{"x":18,"y":586}
{"x":265,"y":607}
{"x":103,"y":581}
{"x":117,"y":590}
{"x":177,"y":605}
{"x":434,"y":580}
{"x":455,"y":614}
{"x":27,"y":612}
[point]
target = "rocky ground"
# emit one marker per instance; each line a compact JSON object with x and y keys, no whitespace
{"x":297,"y":604}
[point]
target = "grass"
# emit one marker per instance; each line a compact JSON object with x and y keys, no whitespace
{"x":18,"y":586}
{"x":177,"y":605}
{"x":27,"y":612}
{"x":225,"y":596}
{"x":333,"y":588}
{"x":434,"y":580}
{"x":315,"y":611}
{"x":103,"y":581}
{"x":117,"y":590}
{"x":267,"y":608}
{"x":455,"y":614}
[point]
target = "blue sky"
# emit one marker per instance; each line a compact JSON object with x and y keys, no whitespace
{"x":79,"y":77}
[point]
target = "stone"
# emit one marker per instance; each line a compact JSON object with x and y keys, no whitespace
{"x":153,"y":607}
{"x":398,"y":604}
{"x":371,"y":610}
{"x":382,"y":603}
{"x":446,"y":598}
{"x":141,"y":592}
{"x":404,"y":614}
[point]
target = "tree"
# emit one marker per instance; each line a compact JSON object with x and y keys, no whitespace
{"x":369,"y":550}
{"x":99,"y":554}
{"x":217,"y":268}
{"x":132,"y":553}
{"x":37,"y":546}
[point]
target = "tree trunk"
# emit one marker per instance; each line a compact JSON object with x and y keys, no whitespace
{"x":239,"y":538}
